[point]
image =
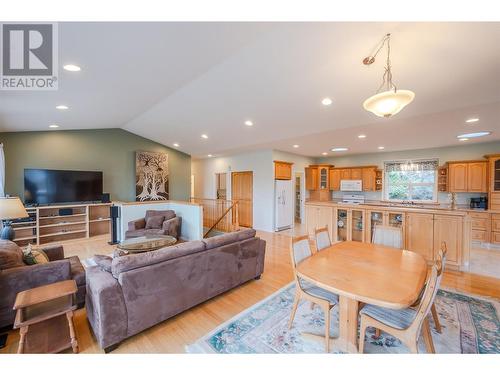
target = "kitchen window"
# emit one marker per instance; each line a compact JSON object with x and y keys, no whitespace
{"x":411,"y":180}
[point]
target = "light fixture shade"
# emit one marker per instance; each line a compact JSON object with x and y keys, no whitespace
{"x":12,"y":208}
{"x":388,"y":103}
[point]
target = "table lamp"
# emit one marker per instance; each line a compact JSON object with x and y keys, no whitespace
{"x":10,"y":208}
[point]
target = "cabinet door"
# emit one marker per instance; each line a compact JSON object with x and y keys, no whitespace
{"x":282,"y":171}
{"x":374,"y":218}
{"x":458,"y":177}
{"x":311,"y":178}
{"x":325,"y":218}
{"x":448,"y":229}
{"x":311,"y":219}
{"x":323,"y":178}
{"x":368,"y":178}
{"x":420,"y":234}
{"x":356,"y":174}
{"x":335,"y":179}
{"x":342,"y":224}
{"x":357,"y":225}
{"x":477,"y":177}
{"x":345,"y":174}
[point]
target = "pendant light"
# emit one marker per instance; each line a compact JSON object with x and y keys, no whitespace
{"x":392,"y":100}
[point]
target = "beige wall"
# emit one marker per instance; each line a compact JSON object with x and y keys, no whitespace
{"x":109,"y":150}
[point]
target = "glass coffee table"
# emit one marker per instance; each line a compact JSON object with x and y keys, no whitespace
{"x":146,"y":243}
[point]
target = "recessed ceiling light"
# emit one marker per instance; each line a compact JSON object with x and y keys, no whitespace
{"x":381,"y":147}
{"x":53,"y":126}
{"x":176,"y":145}
{"x":361,"y":136}
{"x":327,"y":101}
{"x":324,"y":153}
{"x":473,"y":135}
{"x":62,"y":107}
{"x":72,"y":68}
{"x":204,"y":136}
{"x":463,"y":139}
{"x":209,"y":155}
{"x":248,"y":123}
{"x":295,"y":146}
{"x":472,"y":120}
{"x":339,"y":149}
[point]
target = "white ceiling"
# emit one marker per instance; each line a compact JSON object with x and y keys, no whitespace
{"x":171,"y":82}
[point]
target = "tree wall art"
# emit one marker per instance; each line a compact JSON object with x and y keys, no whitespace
{"x":151,"y":176}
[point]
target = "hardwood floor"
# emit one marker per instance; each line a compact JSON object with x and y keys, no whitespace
{"x":174,"y":334}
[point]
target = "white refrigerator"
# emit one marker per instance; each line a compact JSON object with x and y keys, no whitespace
{"x":283,"y":204}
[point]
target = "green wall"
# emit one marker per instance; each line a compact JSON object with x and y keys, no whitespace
{"x":111,"y":151}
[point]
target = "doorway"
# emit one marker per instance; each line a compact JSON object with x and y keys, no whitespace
{"x":242,"y":191}
{"x":220,"y":185}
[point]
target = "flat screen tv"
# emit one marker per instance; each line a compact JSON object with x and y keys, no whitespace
{"x":46,"y":186}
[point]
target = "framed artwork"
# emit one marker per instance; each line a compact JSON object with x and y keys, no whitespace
{"x":151,"y":176}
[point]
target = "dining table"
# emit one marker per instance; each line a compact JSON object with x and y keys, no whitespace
{"x":365,"y":273}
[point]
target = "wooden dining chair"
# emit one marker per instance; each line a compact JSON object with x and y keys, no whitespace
{"x":405,"y":324}
{"x":322,"y":237}
{"x":387,"y":235}
{"x":306,"y":290}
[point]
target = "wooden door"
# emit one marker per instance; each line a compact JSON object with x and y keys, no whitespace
{"x":457,"y":177}
{"x":335,"y":179}
{"x":311,"y":178}
{"x":477,"y":177}
{"x":345,"y":174}
{"x":356,"y":174}
{"x":420,"y":234}
{"x":448,"y":229}
{"x":368,"y":178}
{"x":242,"y":191}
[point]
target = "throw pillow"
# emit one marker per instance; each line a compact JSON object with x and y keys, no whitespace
{"x":154,"y":222}
{"x":34,"y":256}
{"x":11,"y":255}
{"x":104,"y":262}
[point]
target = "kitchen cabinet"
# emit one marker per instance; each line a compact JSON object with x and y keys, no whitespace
{"x":282,"y":170}
{"x":448,"y":229}
{"x":457,"y":177}
{"x":350,"y":225}
{"x":357,"y":225}
{"x":335,"y":179}
{"x":319,"y":217}
{"x":342,"y":223}
{"x":480,"y":226}
{"x":356,"y":173}
{"x":345,"y":174}
{"x":311,"y":178}
{"x":420,"y":234}
{"x":470,"y":176}
{"x":369,"y":176}
{"x":494,"y":182}
{"x":389,"y":218}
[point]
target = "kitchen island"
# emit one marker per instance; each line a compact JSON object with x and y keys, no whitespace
{"x":424,"y":227}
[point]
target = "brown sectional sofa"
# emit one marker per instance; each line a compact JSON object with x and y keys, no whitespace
{"x":145,"y":289}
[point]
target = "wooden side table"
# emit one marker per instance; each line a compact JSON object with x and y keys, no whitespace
{"x":45,"y":318}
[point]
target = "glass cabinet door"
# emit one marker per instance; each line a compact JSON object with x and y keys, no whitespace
{"x":357,"y":225}
{"x":323,"y":178}
{"x":341,"y":225}
{"x":395,"y":219}
{"x":496,"y":182}
{"x":375,"y":218}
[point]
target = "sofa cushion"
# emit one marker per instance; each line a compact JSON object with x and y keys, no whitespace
{"x":11,"y":255}
{"x":103,"y":261}
{"x":130,"y":262}
{"x":167,"y":214}
{"x":154,"y":222}
{"x":34,"y":256}
{"x":77,"y":270}
{"x":221,"y":240}
{"x":246,"y":233}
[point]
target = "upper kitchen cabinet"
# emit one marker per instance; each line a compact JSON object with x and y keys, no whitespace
{"x":468,"y":176}
{"x":494,"y":181}
{"x":282,"y":170}
{"x":318,"y":182}
{"x":368,"y":176}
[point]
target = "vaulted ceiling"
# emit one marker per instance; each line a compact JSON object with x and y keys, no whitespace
{"x":172,"y":82}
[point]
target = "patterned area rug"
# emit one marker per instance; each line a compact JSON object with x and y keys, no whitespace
{"x":470,"y":325}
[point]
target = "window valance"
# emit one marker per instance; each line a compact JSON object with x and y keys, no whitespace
{"x":411,"y":165}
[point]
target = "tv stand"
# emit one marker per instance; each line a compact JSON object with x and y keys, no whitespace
{"x":46,"y":225}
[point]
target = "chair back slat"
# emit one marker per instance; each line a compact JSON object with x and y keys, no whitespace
{"x":428,"y":297}
{"x":387,"y":235}
{"x":322,"y":237}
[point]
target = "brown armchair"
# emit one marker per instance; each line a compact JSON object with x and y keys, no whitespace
{"x":15,"y":278}
{"x":155,"y":222}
